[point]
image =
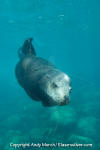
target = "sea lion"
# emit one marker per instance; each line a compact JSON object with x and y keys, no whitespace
{"x":41,"y":80}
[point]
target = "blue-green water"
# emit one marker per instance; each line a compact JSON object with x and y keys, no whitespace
{"x":67,"y":33}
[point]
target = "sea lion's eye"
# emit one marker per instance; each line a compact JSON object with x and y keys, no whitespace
{"x":54,"y":85}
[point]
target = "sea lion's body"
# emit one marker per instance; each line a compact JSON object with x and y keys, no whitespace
{"x":42,"y":81}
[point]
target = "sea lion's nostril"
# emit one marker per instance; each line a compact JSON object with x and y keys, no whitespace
{"x":66,"y":97}
{"x":70,"y":89}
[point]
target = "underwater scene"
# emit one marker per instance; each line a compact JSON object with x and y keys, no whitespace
{"x":67,"y":34}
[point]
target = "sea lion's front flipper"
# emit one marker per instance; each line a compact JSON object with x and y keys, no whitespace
{"x":27,"y":48}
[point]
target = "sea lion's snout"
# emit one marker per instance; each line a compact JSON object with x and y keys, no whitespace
{"x":65,"y":101}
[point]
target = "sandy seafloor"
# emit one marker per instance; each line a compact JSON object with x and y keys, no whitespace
{"x":67,"y":33}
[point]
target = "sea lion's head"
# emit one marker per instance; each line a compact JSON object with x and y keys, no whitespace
{"x":56,"y":89}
